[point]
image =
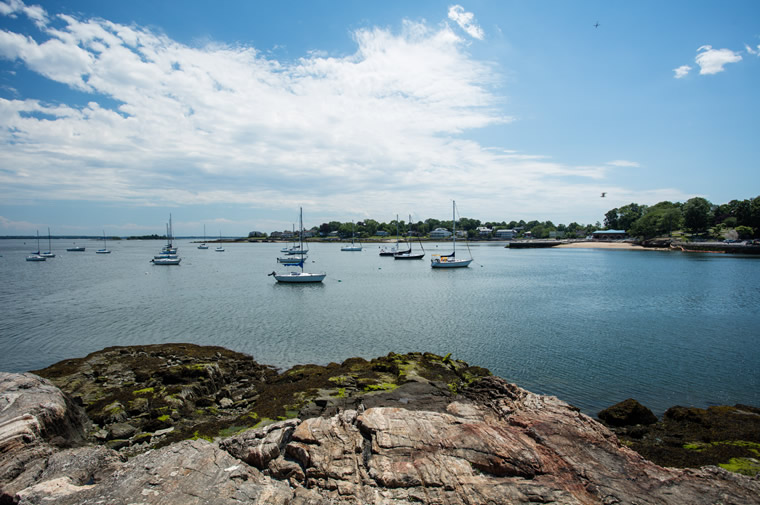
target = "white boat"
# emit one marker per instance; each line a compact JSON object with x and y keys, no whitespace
{"x":219,"y":248}
{"x":36,"y":256}
{"x":450,"y":260}
{"x":203,"y":245}
{"x":353,"y":247}
{"x":105,"y":249}
{"x":168,"y":255}
{"x":396,"y":248}
{"x":299,"y":277}
{"x":49,"y":252}
{"x":291,"y":260}
{"x":408,"y":254}
{"x":166,"y":261}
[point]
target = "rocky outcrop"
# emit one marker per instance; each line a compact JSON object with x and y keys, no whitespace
{"x":692,"y":437}
{"x":488,"y":442}
{"x":627,"y":413}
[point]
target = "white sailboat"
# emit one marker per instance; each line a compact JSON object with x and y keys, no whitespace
{"x":450,"y":260}
{"x":168,"y":255}
{"x":203,"y":244}
{"x":299,"y":277}
{"x":395,"y":249}
{"x":49,"y":252}
{"x":105,"y":249}
{"x":36,"y":256}
{"x":219,"y":248}
{"x":353,"y":247}
{"x":408,"y":254}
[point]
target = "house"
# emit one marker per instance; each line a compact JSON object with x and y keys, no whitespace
{"x":276,"y":235}
{"x":609,"y":235}
{"x":440,"y":233}
{"x":484,"y":231}
{"x":256,"y":234}
{"x":505,"y":234}
{"x":382,"y":233}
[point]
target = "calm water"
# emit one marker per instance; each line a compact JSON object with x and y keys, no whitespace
{"x":591,"y":326}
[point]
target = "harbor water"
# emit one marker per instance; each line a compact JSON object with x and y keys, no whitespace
{"x":590,"y":326}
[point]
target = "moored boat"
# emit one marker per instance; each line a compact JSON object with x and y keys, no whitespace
{"x":450,"y":260}
{"x":299,"y":277}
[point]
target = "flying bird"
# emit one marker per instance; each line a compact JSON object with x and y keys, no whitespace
{"x":596,"y":25}
{"x":604,"y":194}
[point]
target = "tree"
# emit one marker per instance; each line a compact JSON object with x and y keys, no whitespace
{"x":628,"y":214}
{"x":658,"y":220}
{"x":696,"y":214}
{"x":611,"y":219}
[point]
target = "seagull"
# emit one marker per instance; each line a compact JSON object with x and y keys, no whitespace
{"x":604,"y":194}
{"x":596,"y":25}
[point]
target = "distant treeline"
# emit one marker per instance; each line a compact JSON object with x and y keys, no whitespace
{"x":697,"y":215}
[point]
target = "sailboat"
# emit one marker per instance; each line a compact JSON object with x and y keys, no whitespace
{"x":48,"y":253}
{"x":203,"y":244}
{"x":168,"y":255}
{"x":408,"y":255}
{"x":219,"y":248}
{"x":104,"y":250}
{"x":298,"y":277}
{"x":395,"y":249}
{"x":75,"y":248}
{"x":35,"y":256}
{"x":450,"y":260}
{"x":353,"y":246}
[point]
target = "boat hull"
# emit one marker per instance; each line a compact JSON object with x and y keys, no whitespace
{"x":292,"y":260}
{"x":75,"y":249}
{"x":35,"y":257}
{"x":408,"y":256}
{"x":103,"y":251}
{"x":449,"y":263}
{"x":166,"y":261}
{"x":351,"y":248}
{"x":299,"y":277}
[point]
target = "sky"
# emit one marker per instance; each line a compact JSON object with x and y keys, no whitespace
{"x":232,"y":115}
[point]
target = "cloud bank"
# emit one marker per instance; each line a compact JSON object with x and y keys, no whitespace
{"x":373,"y":133}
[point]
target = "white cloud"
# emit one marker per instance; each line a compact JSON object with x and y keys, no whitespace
{"x":755,"y":52}
{"x":711,"y":61}
{"x":623,"y":163}
{"x":466,"y":21}
{"x":376,"y":132}
{"x":682,"y":71}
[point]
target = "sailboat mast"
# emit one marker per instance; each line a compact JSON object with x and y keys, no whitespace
{"x":50,"y":249}
{"x":300,"y":235}
{"x":454,"y":224}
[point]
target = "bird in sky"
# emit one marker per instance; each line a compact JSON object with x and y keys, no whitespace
{"x":604,"y":194}
{"x":596,"y":25}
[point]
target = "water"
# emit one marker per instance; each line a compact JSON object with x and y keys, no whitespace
{"x":592,"y":327}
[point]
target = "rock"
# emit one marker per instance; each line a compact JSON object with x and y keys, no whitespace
{"x":36,"y":420}
{"x":627,"y":413}
{"x":492,"y":442}
{"x":259,"y":447}
{"x":121,"y":430}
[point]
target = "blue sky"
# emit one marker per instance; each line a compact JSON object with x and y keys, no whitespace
{"x":234,"y":114}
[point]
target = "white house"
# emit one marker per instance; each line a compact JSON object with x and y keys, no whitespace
{"x":505,"y":234}
{"x":440,"y":233}
{"x":484,"y":231}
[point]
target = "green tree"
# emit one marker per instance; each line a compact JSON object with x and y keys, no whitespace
{"x":744,"y":231}
{"x":658,"y":220}
{"x":696,"y":214}
{"x":611,"y":219}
